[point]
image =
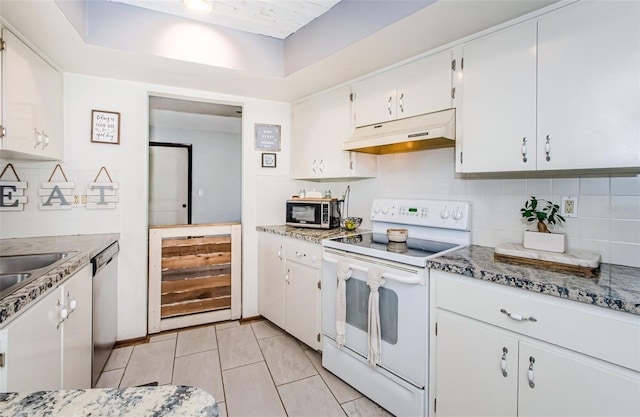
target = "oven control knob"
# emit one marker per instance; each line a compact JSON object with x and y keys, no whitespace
{"x":457,"y":215}
{"x":385,"y":210}
{"x":444,"y":214}
{"x":376,"y":209}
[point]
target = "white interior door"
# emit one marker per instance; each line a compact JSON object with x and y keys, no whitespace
{"x":168,"y":185}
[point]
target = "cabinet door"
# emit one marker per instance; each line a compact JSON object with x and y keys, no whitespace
{"x":499,"y":101}
{"x":33,"y":348}
{"x":375,"y":99}
{"x":424,"y":86}
{"x":32,"y":103}
{"x":77,"y":331}
{"x":470,"y":381}
{"x":588,"y":86}
{"x":571,"y":384}
{"x":302,"y":303}
{"x":271,"y":277}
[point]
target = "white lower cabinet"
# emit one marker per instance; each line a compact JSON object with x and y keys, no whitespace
{"x":488,"y":364}
{"x":44,"y":351}
{"x":288,"y":285}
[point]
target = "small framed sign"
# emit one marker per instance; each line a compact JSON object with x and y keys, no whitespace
{"x":267,"y":137}
{"x":105,"y":127}
{"x":268,"y":160}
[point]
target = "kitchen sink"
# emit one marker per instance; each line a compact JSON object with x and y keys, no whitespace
{"x":23,"y":263}
{"x":18,"y":270}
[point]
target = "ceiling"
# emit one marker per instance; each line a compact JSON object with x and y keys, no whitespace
{"x":275,"y":18}
{"x":352,"y":39}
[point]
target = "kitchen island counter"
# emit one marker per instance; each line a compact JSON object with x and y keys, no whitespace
{"x":616,"y":287}
{"x":163,"y":401}
{"x":84,"y":247}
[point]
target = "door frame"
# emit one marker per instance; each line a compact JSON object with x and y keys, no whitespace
{"x":189,"y":168}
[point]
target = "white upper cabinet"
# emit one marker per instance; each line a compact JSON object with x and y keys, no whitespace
{"x":422,"y":86}
{"x":320,"y":125}
{"x":31,"y":104}
{"x":589,"y":86}
{"x":499,"y":101}
{"x":560,"y":92}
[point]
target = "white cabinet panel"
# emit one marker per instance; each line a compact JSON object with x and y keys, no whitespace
{"x":320,"y":126}
{"x":32,"y":103}
{"x":589,"y":86}
{"x":375,"y":99}
{"x":499,"y":101}
{"x":271,"y":277}
{"x":302,"y":303}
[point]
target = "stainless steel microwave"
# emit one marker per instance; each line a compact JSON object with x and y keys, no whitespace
{"x":317,"y":213}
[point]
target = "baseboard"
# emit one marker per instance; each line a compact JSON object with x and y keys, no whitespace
{"x":131,"y":342}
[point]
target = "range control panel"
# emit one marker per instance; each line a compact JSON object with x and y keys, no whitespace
{"x":433,"y":213}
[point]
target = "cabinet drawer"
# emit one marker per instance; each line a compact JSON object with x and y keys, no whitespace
{"x":606,"y":334}
{"x":306,"y":253}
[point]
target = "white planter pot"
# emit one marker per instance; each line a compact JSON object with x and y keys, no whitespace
{"x":551,"y":242}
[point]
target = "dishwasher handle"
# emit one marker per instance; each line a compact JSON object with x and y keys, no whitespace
{"x":103,"y":258}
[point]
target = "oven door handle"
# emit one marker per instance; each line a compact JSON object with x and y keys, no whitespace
{"x":399,"y":278}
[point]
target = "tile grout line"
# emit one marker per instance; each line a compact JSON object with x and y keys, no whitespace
{"x":270,"y":374}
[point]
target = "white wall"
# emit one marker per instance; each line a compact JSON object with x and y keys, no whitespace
{"x":608,"y":206}
{"x":128,"y":164}
{"x":216,"y":170}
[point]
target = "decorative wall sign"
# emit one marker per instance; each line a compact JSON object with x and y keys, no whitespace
{"x":57,"y":195}
{"x":102,"y":194}
{"x":12,"y":196}
{"x":105,"y":127}
{"x":268,"y":160}
{"x":267,"y":137}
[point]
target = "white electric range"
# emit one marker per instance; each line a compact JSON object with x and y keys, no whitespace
{"x":398,"y":382}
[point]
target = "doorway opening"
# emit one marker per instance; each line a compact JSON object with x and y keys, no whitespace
{"x":170,"y":178}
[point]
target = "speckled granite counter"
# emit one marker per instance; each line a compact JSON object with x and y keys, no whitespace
{"x":617,"y":287}
{"x":309,"y":235}
{"x":84,"y":248}
{"x":163,"y":401}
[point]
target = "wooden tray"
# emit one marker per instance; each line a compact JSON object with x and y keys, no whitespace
{"x":580,"y":263}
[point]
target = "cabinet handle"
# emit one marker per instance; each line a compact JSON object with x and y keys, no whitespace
{"x":389,"y":104}
{"x":46,"y":140}
{"x":64,"y":313}
{"x":286,"y":277}
{"x":280,"y":253}
{"x":72,"y":302}
{"x":313,"y":166}
{"x":38,"y":138}
{"x":524,"y":149}
{"x":321,"y":166}
{"x":518,"y":317}
{"x":530,"y":375}
{"x":401,"y":103}
{"x":547,"y":148}
{"x":503,"y":361}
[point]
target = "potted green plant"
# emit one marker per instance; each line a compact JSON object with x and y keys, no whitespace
{"x":546,"y":215}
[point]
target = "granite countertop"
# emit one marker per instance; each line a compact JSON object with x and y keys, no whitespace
{"x":84,"y":247}
{"x":616,"y":287}
{"x":162,"y":401}
{"x":308,"y":234}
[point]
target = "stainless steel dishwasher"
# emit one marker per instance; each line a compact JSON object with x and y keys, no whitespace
{"x":105,"y":305}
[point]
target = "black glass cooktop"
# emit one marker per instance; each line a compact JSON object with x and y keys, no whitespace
{"x":369,"y":243}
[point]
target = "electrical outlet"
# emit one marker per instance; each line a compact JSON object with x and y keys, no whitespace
{"x":569,"y":206}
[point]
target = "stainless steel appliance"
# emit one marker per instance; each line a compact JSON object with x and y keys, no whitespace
{"x":105,"y":302}
{"x":397,"y":380}
{"x":317,"y":213}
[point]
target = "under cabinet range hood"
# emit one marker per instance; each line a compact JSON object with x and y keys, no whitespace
{"x":426,"y":131}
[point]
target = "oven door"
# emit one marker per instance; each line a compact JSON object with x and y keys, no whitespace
{"x":403,"y":312}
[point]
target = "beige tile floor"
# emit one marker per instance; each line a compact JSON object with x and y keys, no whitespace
{"x":253,"y":369}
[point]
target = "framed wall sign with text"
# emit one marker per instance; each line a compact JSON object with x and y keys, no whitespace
{"x":105,"y":127}
{"x":268,"y":160}
{"x":267,"y":137}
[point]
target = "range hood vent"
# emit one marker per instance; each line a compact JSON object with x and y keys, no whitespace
{"x":427,"y":131}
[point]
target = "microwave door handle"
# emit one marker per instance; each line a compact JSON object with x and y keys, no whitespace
{"x":399,"y":278}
